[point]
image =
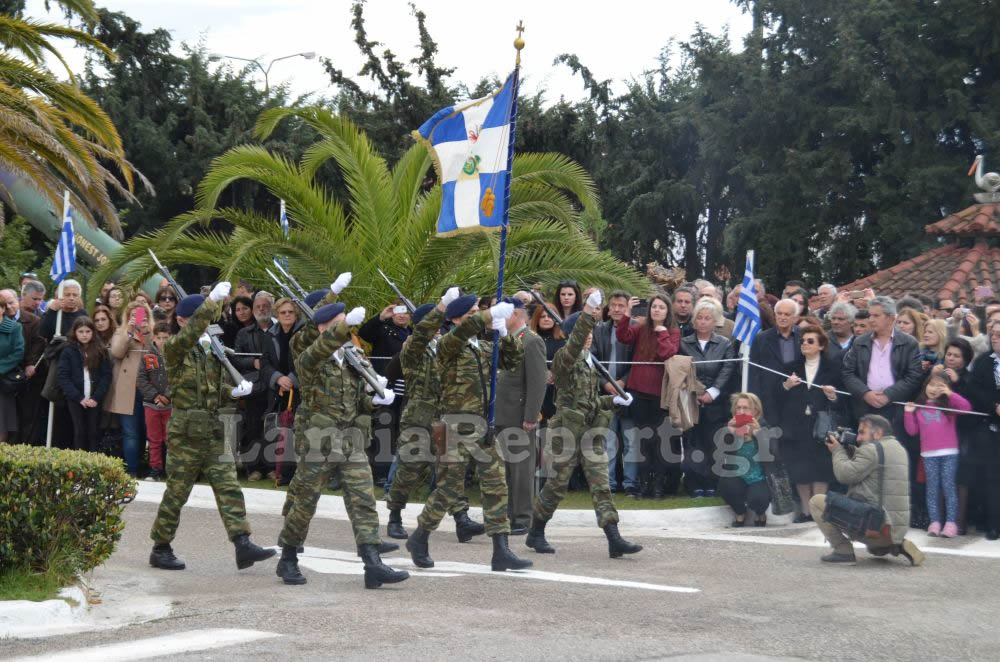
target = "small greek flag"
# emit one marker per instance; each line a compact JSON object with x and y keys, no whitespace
{"x":469,"y":144}
{"x":747,"y":311}
{"x":64,"y":262}
{"x":284,"y":219}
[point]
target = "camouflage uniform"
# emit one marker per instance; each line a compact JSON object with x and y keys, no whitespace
{"x":333,"y":423}
{"x":197,"y":444}
{"x":465,"y":378}
{"x":423,"y":390}
{"x":579,"y":407}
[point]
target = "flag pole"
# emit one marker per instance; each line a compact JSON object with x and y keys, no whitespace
{"x":505,"y":221}
{"x":58,"y":332}
{"x":745,"y":347}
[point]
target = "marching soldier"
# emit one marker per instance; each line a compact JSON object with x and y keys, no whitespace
{"x":301,"y":341}
{"x":195,"y":431}
{"x":332,"y":432}
{"x":579,"y":407}
{"x":415,"y":454}
{"x":464,"y":362}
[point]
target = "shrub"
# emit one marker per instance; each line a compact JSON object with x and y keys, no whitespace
{"x":60,"y":506}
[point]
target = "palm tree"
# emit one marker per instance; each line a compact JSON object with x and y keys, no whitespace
{"x":389,"y":223}
{"x":51,"y":133}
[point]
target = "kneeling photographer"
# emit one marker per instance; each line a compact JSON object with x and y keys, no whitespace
{"x":876,"y":510}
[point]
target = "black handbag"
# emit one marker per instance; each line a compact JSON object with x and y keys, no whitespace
{"x":824,"y":424}
{"x":14,"y":383}
{"x":858,"y":519}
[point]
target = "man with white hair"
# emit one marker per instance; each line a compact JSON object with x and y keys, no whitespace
{"x":71,"y":305}
{"x":825,"y":294}
{"x":778,"y":349}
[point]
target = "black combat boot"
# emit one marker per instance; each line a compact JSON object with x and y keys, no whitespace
{"x":383,"y":548}
{"x":163,"y":557}
{"x":395,"y":527}
{"x":536,"y":538}
{"x":288,"y":566}
{"x":416,"y":544}
{"x":376,"y":572}
{"x":503,"y":558}
{"x":248,"y":553}
{"x":618,"y":545}
{"x":466,"y":528}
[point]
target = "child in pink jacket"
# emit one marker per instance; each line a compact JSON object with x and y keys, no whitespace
{"x":938,"y":448}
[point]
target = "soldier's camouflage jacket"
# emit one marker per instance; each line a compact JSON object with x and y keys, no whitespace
{"x":579,"y":401}
{"x":465,"y":366}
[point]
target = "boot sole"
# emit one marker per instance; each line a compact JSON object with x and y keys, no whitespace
{"x":294,"y":581}
{"x":417,"y":562}
{"x":373,"y":580}
{"x":543,"y":550}
{"x":396,"y":535}
{"x":466,"y":537}
{"x":504,"y":567}
{"x":618,"y":553}
{"x":166,"y":567}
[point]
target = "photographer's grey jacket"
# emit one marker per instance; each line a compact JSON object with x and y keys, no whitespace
{"x":860,"y":475}
{"x":904,"y":360}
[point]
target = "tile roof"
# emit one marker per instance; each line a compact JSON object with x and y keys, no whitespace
{"x":974,"y":221}
{"x":947,"y":272}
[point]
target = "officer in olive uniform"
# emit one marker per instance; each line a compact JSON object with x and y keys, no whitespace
{"x":415,"y":455}
{"x":580,"y":407}
{"x":195,"y":434}
{"x":464,"y":362}
{"x":333,"y":423}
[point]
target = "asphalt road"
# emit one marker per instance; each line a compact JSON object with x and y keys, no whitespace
{"x":752,"y":593}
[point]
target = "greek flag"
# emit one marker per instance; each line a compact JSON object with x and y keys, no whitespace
{"x":284,"y":219}
{"x":64,"y":261}
{"x":747,"y":311}
{"x":469,"y":144}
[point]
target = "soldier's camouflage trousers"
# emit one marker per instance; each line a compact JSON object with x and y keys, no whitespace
{"x":591,"y":455}
{"x":451,"y":484}
{"x":414,"y":463}
{"x":197,"y":447}
{"x":312,"y":474}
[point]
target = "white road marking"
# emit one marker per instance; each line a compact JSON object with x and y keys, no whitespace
{"x":144,"y":649}
{"x":337,"y":562}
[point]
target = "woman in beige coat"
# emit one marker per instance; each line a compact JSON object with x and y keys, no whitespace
{"x":128,"y":345}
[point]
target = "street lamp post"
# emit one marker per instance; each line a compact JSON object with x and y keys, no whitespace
{"x":267,"y":88}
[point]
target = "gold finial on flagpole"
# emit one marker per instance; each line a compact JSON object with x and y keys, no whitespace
{"x":519,"y":42}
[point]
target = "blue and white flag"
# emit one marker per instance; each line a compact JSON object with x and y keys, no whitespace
{"x":747,"y":311}
{"x":64,"y":262}
{"x":469,"y":144}
{"x":284,"y":219}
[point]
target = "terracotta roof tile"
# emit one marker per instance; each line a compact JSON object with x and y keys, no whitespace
{"x":977,"y":220}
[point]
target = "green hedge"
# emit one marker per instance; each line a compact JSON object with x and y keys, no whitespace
{"x":58,"y":505}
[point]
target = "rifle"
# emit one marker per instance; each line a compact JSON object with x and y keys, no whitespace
{"x":355,"y":359}
{"x":402,"y":297}
{"x":214,"y":343}
{"x":558,"y":320}
{"x":289,"y":277}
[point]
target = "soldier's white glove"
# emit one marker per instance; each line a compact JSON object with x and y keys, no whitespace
{"x":390,"y":395}
{"x":449,"y":296}
{"x":220,"y":292}
{"x":242,"y":390}
{"x":595,"y":299}
{"x":339,"y":285}
{"x":501,"y":311}
{"x":205,"y":341}
{"x":383,"y":382}
{"x":624,"y":402}
{"x":355,"y":317}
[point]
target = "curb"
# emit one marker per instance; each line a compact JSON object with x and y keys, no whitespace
{"x":26,"y":619}
{"x":269,"y":502}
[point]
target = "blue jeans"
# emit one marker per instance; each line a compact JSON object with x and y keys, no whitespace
{"x":941,"y":473}
{"x":623,"y":428}
{"x":133,"y":436}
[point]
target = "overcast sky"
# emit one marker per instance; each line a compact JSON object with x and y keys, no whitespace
{"x":615,"y":40}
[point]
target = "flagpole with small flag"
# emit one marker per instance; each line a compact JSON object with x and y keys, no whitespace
{"x":63,"y":264}
{"x":747,"y":323}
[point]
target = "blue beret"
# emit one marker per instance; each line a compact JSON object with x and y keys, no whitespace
{"x":518,"y":304}
{"x":189,"y":304}
{"x":570,"y":322}
{"x":460,"y":306}
{"x":315,"y":297}
{"x":421,"y":312}
{"x":328,"y":312}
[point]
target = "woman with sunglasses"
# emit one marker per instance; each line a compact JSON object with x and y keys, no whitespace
{"x":806,"y":396}
{"x":166,"y":303}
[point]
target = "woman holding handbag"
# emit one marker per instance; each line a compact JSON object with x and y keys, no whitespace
{"x":809,"y":409}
